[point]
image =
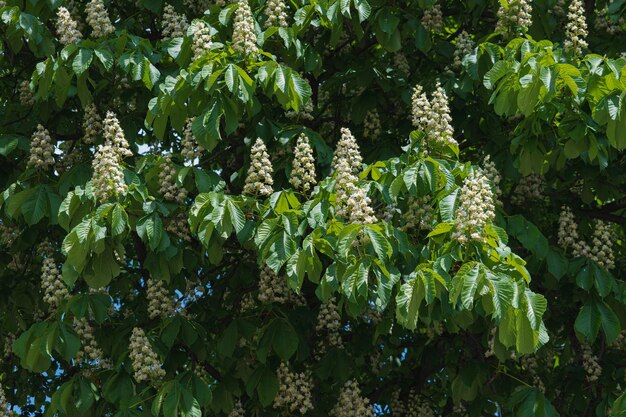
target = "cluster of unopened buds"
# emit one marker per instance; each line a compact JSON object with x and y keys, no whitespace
{"x":463,"y":46}
{"x":8,"y":345}
{"x":491,"y":344}
{"x":327,"y":327}
{"x":433,"y":18}
{"x":41,"y":149}
{"x":146,"y":364}
{"x":529,"y":188}
{"x":199,"y":6}
{"x":191,"y":151}
{"x":174,"y":25}
{"x":351,"y":402}
{"x":476,"y":208}
{"x":26,"y":95}
{"x":89,"y":353}
{"x":294,"y":390}
{"x":98,"y":19}
{"x":605,"y":22}
{"x":576,"y":28}
{"x":273,"y":289}
{"x":244,"y":38}
{"x":275,"y":12}
{"x":259,"y":180}
{"x":92,"y":124}
{"x":303,"y":170}
{"x":52,"y":284}
{"x":8,"y":234}
{"x":179,"y":227}
{"x":371,"y":125}
{"x":601,"y":248}
{"x":516,"y":18}
{"x":590,"y":363}
{"x":237,"y":410}
{"x":401,"y":63}
{"x":304,"y":114}
{"x":167,"y":182}
{"x":160,"y":302}
{"x":419,"y":214}
{"x":417,"y":406}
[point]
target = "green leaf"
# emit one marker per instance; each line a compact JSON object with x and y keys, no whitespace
{"x":119,"y":220}
{"x":588,"y":321}
{"x":381,"y":245}
{"x":267,"y":387}
{"x":82,"y":61}
{"x":285,"y":341}
{"x":610,"y":322}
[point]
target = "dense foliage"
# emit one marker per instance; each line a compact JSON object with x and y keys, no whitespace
{"x":324,"y":208}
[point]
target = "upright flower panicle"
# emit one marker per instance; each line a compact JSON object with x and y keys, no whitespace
{"x":244,"y":38}
{"x":108,"y":175}
{"x":274,"y":289}
{"x":476,"y":208}
{"x":174,"y":25}
{"x":530,"y":188}
{"x":201,"y":40}
{"x":463,"y":46}
{"x":401,"y":63}
{"x":516,"y":19}
{"x":167,"y":186}
{"x":576,"y":28}
{"x":351,"y":402}
{"x":114,"y":135}
{"x":89,"y":352}
{"x":197,"y":6}
{"x":160,"y":302}
{"x":41,"y":149}
{"x":146,"y":364}
{"x":492,"y":173}
{"x":67,"y":28}
{"x":433,"y":19}
{"x":5,"y":409}
{"x":259,"y":180}
{"x":348,"y":150}
{"x":190,"y":148}
{"x":419,"y":214}
{"x":294,"y":390}
{"x":92,"y":124}
{"x":26,"y":96}
{"x":237,"y":410}
{"x":371,"y":125}
{"x":433,"y":117}
{"x":52,"y":283}
{"x":303,"y":170}
{"x":275,"y":12}
{"x":328,"y":326}
{"x":98,"y":19}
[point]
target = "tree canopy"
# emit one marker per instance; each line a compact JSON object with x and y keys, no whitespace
{"x":340,"y":208}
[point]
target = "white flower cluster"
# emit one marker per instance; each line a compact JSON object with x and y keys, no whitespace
{"x":52,"y":284}
{"x":274,"y":289}
{"x":463,"y":46}
{"x":92,"y":124}
{"x":5,"y":409}
{"x":419,"y":214}
{"x":576,"y":28}
{"x":89,"y":352}
{"x":530,"y":365}
{"x":179,"y":227}
{"x":351,"y":201}
{"x":8,"y":234}
{"x":351,"y":403}
{"x":347,"y":150}
{"x":433,"y":117}
{"x":275,"y":12}
{"x":8,"y":345}
{"x":303,"y":170}
{"x":146,"y":364}
{"x":305,"y":113}
{"x":294,"y":390}
{"x":568,"y":233}
{"x":417,"y":406}
{"x":328,"y":326}
{"x":197,"y":6}
{"x":201,"y":40}
{"x":433,"y":19}
{"x":259,"y":181}
{"x":237,"y":410}
{"x":67,"y":28}
{"x":244,"y":38}
{"x":190,"y":148}
{"x":492,"y":173}
{"x":590,"y":364}
{"x":41,"y":149}
{"x":174,"y":25}
{"x":168,"y":187}
{"x":247,"y":303}
{"x":602,"y":245}
{"x":516,"y":19}
{"x":530,"y":188}
{"x":371,"y":125}
{"x":398,"y":408}
{"x":26,"y":96}
{"x":160,"y":302}
{"x":401,"y":63}
{"x":605,"y":23}
{"x":460,"y":410}
{"x":98,"y":19}
{"x":107,"y":163}
{"x":476,"y":208}
{"x":491,"y":344}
